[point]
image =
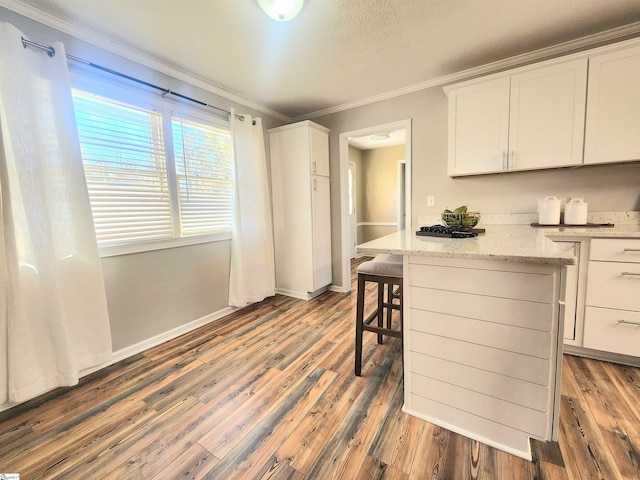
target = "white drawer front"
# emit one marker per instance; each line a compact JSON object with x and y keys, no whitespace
{"x":533,"y":287}
{"x":615,"y":250}
{"x":614,"y":285}
{"x":616,"y":331}
{"x":537,"y":316}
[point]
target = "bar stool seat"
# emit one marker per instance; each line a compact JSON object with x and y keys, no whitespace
{"x":386,"y":271}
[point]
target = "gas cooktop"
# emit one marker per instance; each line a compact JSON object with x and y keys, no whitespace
{"x":448,"y":232}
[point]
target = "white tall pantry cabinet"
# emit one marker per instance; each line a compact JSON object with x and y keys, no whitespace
{"x":301,"y":208}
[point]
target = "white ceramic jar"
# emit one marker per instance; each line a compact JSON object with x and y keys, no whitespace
{"x":575,"y":212}
{"x":549,"y":211}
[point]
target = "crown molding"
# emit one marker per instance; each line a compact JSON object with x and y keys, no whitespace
{"x":132,"y":54}
{"x":608,"y":36}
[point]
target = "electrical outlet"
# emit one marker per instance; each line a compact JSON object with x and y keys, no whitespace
{"x":431,"y":201}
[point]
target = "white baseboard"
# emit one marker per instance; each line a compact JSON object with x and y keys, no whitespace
{"x":301,"y":295}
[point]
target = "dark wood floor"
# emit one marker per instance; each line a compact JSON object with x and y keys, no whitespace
{"x":269,"y":392}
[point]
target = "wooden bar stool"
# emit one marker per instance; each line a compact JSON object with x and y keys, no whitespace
{"x":385,"y":271}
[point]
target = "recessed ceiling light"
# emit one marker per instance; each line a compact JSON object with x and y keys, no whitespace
{"x":380,"y":137}
{"x":281,"y":10}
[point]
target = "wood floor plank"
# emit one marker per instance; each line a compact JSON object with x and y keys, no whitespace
{"x":431,"y":450}
{"x":582,"y":439}
{"x":236,"y":462}
{"x":75,"y":441}
{"x":274,"y":469}
{"x":123,"y":454}
{"x":193,"y":464}
{"x":330,"y":459}
{"x":399,"y":431}
{"x":301,"y":448}
{"x":374,"y":469}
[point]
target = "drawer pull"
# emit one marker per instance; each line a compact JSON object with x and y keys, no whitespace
{"x":628,"y":322}
{"x":633,"y":274}
{"x":631,"y":250}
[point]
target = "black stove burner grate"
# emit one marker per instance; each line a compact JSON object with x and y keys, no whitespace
{"x":442,"y":231}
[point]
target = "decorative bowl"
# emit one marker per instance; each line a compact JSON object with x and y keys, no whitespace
{"x":461,"y":221}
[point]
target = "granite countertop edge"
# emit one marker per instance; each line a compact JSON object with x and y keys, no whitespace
{"x":500,"y":242}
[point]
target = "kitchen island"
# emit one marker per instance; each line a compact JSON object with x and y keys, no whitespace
{"x":482,"y":350}
{"x":483,"y":329}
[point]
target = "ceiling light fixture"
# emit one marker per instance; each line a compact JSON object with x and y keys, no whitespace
{"x":380,"y":137}
{"x":281,"y":10}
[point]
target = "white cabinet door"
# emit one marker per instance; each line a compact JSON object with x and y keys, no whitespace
{"x":613,"y":108}
{"x":321,"y":194}
{"x":546,"y":127}
{"x":319,"y":153}
{"x":479,"y":127}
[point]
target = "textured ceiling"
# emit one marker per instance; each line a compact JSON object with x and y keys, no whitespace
{"x":335,"y":52}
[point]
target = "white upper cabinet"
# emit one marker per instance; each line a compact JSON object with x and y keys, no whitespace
{"x":479,"y":127}
{"x":546,"y":126}
{"x":530,"y":119}
{"x":319,"y":153}
{"x":613,"y":108}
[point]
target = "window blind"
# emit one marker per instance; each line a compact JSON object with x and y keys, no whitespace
{"x":204,"y":177}
{"x":125,"y":166}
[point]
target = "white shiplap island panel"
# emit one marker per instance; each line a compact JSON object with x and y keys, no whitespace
{"x":481,"y":349}
{"x":481,"y":336}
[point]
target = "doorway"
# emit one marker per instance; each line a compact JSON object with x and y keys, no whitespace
{"x":348,"y":201}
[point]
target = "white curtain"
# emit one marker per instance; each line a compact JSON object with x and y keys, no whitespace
{"x":53,"y":310}
{"x":252,"y":276}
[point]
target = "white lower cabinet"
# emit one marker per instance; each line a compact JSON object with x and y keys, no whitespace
{"x":612,"y":314}
{"x":482,"y":349}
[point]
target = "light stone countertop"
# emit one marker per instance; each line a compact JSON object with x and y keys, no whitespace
{"x":515,"y":243}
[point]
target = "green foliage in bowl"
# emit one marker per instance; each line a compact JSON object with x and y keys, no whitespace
{"x":460,"y":218}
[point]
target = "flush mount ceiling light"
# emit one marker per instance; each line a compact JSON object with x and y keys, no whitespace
{"x":281,"y":10}
{"x":380,"y":137}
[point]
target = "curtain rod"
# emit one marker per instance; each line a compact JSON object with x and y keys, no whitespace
{"x":165,"y":91}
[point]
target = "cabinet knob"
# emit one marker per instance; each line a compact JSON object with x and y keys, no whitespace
{"x":631,"y":274}
{"x":504,"y":160}
{"x":313,"y":166}
{"x":631,"y":250}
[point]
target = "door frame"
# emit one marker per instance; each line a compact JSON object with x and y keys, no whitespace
{"x":344,"y":199}
{"x":353,"y":224}
{"x":401,"y":200}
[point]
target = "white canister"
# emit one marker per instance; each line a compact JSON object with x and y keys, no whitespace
{"x":575,"y":212}
{"x":549,"y":211}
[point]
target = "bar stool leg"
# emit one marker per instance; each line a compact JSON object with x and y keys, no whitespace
{"x":389,"y":303}
{"x":359,"y":324}
{"x":380,"y":310}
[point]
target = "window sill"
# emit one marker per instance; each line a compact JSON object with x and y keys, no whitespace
{"x":116,"y":250}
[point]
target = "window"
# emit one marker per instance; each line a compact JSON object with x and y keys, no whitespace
{"x":156,"y":178}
